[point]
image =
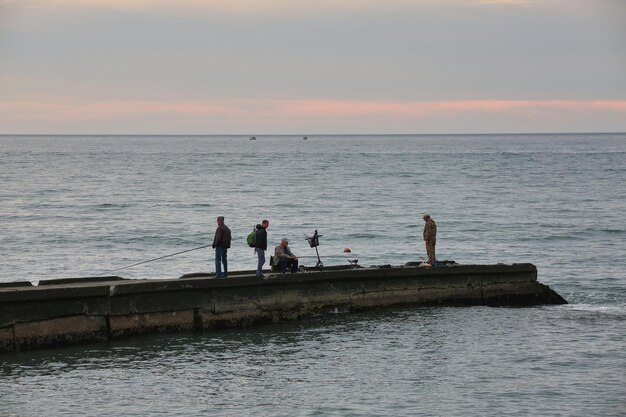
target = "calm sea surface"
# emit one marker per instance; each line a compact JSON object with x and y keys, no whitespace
{"x":75,"y":206}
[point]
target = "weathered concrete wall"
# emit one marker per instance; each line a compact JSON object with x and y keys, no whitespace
{"x":81,"y":310}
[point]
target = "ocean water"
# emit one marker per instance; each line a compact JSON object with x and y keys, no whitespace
{"x":74,"y":206}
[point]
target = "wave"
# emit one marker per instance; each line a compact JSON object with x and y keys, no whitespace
{"x":617,"y":231}
{"x":111,"y":206}
{"x":594,"y":311}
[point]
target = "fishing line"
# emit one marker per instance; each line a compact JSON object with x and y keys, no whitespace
{"x":155,"y":259}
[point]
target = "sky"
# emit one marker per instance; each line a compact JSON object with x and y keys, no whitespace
{"x":309,"y":67}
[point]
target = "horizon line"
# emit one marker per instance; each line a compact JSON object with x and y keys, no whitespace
{"x":320,"y":134}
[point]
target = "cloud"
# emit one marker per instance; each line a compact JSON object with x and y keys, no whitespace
{"x":518,"y":3}
{"x":274,"y":7}
{"x":240,"y":6}
{"x":230,"y":115}
{"x":68,"y":109}
{"x":419,"y":108}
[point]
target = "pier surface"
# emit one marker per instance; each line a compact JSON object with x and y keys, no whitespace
{"x":81,"y":310}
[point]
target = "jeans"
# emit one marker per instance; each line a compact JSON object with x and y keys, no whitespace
{"x":284,"y":264}
{"x":261,"y":255}
{"x":220,"y":259}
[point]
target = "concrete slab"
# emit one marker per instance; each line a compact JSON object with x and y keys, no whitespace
{"x":151,"y":322}
{"x":60,"y":331}
{"x":73,"y":311}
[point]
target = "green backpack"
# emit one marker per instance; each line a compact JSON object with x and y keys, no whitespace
{"x":251,"y":239}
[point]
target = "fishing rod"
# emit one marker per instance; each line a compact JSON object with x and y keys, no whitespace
{"x":155,"y":259}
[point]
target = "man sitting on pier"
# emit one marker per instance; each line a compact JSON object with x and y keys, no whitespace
{"x":284,"y":258}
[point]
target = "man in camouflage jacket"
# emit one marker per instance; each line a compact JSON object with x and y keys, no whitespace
{"x":430,"y":237}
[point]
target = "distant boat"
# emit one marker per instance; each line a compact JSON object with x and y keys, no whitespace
{"x":252,"y":137}
{"x":305,"y":138}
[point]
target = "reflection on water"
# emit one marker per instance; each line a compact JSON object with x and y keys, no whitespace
{"x":387,"y":362}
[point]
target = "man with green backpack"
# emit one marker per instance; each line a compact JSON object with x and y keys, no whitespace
{"x":257,"y":239}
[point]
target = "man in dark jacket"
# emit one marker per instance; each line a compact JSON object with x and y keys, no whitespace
{"x":260,"y":245}
{"x":221,"y":243}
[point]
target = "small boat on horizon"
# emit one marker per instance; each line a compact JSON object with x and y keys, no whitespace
{"x":305,"y":138}
{"x":252,"y":137}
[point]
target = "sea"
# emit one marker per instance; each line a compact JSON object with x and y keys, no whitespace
{"x":85,"y":206}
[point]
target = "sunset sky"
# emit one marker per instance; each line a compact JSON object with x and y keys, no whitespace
{"x":312,"y":67}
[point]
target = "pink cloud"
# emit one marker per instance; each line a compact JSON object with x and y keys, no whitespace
{"x":273,"y":7}
{"x":59,"y":108}
{"x":420,"y":108}
{"x":50,"y":113}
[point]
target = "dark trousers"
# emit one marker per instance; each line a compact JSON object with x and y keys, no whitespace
{"x":221,"y":259}
{"x":291,"y":264}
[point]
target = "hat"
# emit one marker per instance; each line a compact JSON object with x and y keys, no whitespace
{"x":285,"y":240}
{"x":425,"y":215}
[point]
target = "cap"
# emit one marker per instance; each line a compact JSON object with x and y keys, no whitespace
{"x":426,"y":215}
{"x":284,"y":240}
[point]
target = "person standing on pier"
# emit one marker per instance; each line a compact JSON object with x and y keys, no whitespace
{"x":221,"y":243}
{"x":430,"y":237}
{"x":260,"y":245}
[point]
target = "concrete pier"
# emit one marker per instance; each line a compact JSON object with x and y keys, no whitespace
{"x":72,"y":311}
